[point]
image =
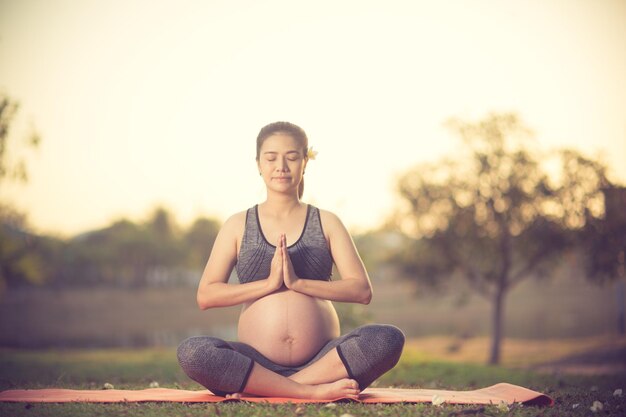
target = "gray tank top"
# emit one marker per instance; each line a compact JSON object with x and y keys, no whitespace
{"x":309,"y":255}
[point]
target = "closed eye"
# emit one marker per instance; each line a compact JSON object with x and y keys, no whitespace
{"x":290,"y":159}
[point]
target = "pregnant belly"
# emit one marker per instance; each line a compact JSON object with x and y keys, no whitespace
{"x":288,"y":327}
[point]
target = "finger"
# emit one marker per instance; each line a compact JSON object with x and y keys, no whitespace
{"x":279,"y":249}
{"x":285,"y":256}
{"x":285,"y":251}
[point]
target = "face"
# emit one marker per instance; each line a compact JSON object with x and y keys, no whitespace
{"x":281,"y":162}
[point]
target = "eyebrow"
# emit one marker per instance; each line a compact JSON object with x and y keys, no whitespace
{"x":274,"y":152}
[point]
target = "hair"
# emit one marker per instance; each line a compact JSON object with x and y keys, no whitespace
{"x":286,"y":128}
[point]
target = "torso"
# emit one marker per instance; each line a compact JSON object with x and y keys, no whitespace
{"x":286,"y":326}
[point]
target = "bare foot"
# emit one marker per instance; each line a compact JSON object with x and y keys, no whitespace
{"x":344,"y":388}
{"x":238,"y":395}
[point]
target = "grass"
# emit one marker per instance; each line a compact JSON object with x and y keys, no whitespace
{"x":137,"y":368}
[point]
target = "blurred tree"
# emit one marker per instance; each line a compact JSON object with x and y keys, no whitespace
{"x":18,"y":259}
{"x":198,"y":241}
{"x":372,"y":249}
{"x":164,"y":239}
{"x":605,"y":239}
{"x":9,"y":169}
{"x":604,"y":243}
{"x":124,"y":253}
{"x":162,"y":224}
{"x":138,"y":254}
{"x":494,"y":217}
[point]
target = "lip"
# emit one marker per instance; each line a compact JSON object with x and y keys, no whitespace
{"x":281,"y":178}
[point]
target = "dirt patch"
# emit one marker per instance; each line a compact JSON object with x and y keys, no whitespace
{"x":604,"y":360}
{"x":585,"y":356}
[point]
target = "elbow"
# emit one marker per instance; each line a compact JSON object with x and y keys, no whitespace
{"x":212,"y":296}
{"x":202,"y":302}
{"x":366,"y":297}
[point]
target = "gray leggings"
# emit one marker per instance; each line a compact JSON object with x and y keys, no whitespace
{"x":367,"y":352}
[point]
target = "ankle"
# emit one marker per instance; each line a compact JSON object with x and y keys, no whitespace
{"x":301,"y":379}
{"x":308,"y":391}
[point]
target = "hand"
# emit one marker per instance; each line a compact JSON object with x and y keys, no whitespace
{"x":276,"y":278}
{"x":289,"y":275}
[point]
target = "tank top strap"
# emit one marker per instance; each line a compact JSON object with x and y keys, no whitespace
{"x":313,"y":232}
{"x":252,"y":232}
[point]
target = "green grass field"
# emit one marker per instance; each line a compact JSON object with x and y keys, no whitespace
{"x":137,"y":368}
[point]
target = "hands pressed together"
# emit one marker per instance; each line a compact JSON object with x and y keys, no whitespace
{"x":281,"y":271}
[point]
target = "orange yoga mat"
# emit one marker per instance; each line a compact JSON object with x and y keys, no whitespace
{"x":495,"y":394}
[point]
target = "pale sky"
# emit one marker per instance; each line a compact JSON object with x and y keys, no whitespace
{"x":142,"y":103}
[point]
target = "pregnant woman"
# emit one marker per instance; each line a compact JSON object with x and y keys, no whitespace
{"x":283,"y":251}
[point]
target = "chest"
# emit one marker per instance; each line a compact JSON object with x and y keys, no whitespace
{"x":273,"y":228}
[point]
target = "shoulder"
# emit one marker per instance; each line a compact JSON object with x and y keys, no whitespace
{"x":331,"y":222}
{"x":235,"y":223}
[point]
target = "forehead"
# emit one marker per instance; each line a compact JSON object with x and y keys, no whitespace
{"x":280,"y":142}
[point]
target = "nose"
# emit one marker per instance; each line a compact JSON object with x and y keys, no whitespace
{"x":281,"y":165}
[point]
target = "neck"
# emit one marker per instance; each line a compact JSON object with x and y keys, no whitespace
{"x":281,"y":203}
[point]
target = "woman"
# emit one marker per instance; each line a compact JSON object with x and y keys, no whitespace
{"x":289,"y":338}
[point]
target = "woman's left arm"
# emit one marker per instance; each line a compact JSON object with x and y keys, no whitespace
{"x":354,"y":285}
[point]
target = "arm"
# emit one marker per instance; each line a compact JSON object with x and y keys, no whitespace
{"x":214,"y":290}
{"x":354,"y":285}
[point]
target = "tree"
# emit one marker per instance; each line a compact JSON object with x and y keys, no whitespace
{"x":198,"y":241}
{"x":124,"y":253}
{"x":495,"y":217}
{"x":605,"y":239}
{"x":9,"y":169}
{"x":18,"y":262}
{"x":604,"y":243}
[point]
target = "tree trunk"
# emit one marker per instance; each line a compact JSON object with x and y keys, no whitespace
{"x":621,"y":275}
{"x":496,"y":331}
{"x":502,"y":286}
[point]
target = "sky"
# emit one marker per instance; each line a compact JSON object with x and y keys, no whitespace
{"x":146,"y":103}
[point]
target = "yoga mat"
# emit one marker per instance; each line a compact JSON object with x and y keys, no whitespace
{"x":495,"y":394}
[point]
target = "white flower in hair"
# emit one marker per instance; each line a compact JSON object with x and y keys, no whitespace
{"x":311,"y":154}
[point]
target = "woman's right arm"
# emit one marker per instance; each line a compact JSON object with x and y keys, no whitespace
{"x":214,"y":290}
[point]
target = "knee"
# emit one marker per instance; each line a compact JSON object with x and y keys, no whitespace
{"x":193,"y":350}
{"x":388,"y":339}
{"x":187,"y":350}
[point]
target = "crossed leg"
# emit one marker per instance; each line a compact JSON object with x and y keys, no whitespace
{"x":326,"y":374}
{"x":264,"y":382}
{"x":345,"y":366}
{"x":232,"y":367}
{"x":329,"y":368}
